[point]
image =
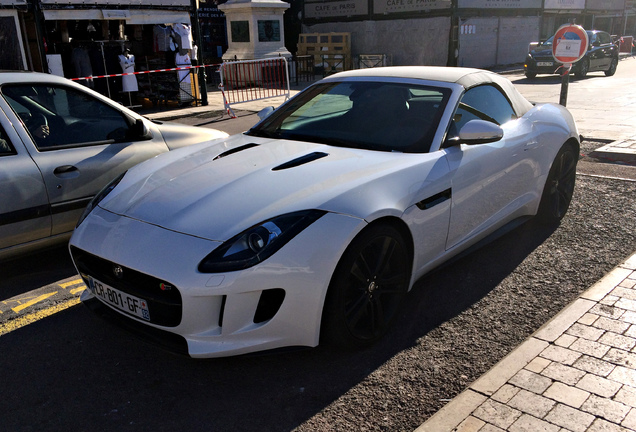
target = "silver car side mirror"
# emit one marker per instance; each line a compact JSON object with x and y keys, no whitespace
{"x":265,"y":112}
{"x":480,"y":132}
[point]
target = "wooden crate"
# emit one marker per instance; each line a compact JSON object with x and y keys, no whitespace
{"x":331,"y":51}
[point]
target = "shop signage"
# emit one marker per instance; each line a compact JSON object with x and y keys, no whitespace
{"x":331,"y":9}
{"x":500,"y":4}
{"x":606,"y":5}
{"x":564,"y":4}
{"x":210,"y":12}
{"x":393,"y":6}
{"x":102,"y":3}
{"x":116,"y":14}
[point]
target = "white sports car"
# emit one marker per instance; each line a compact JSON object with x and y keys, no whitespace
{"x":314,"y":224}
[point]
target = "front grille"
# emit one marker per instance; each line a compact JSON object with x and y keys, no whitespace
{"x":165,"y":305}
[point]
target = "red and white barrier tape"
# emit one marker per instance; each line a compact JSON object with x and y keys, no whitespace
{"x":143,"y":72}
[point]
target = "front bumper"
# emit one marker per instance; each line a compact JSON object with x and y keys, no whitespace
{"x":219,"y":312}
{"x":541,"y":65}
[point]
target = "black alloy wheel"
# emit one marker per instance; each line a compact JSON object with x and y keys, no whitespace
{"x":559,"y":187}
{"x":583,"y":68}
{"x":612,"y":67}
{"x":367,"y":289}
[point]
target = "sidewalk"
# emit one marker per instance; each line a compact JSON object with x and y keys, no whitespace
{"x":576,"y":373}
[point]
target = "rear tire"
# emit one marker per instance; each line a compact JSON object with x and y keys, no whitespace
{"x":559,"y":187}
{"x":612,"y":67}
{"x":367,"y":288}
{"x":530,"y":75}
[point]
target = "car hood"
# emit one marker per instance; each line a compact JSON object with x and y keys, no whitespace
{"x":177,"y":135}
{"x":542,"y":52}
{"x":216,"y":191}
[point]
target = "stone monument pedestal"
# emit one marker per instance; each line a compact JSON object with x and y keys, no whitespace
{"x":255,"y":29}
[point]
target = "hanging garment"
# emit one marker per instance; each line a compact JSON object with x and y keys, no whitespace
{"x":128,"y":82}
{"x":161,"y":38}
{"x":180,"y":61}
{"x":82,"y":63}
{"x":184,"y":31}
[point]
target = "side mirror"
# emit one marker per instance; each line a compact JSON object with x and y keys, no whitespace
{"x":480,"y":132}
{"x":265,"y":112}
{"x":140,"y":131}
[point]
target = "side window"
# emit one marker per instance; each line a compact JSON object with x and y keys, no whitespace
{"x":6,"y":148}
{"x":57,"y":116}
{"x":604,"y":38}
{"x":484,"y":102}
{"x":591,"y":38}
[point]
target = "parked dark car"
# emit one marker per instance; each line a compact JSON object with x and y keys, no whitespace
{"x":602,"y":55}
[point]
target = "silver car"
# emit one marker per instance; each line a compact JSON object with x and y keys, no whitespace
{"x":60,"y":143}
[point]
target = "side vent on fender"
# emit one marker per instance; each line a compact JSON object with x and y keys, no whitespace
{"x":301,"y":161}
{"x":269,"y":303}
{"x":435,"y":200}
{"x":236,"y":150}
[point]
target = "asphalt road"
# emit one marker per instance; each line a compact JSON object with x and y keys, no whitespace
{"x":69,"y":371}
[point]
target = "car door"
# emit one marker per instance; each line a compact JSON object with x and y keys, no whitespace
{"x":78,"y":141}
{"x":487,"y":178}
{"x":606,"y":50}
{"x":24,"y":206}
{"x":598,"y":54}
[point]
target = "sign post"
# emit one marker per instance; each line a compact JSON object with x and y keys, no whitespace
{"x":569,"y":45}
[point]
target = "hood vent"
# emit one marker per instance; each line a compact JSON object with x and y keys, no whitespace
{"x":235,"y":150}
{"x":301,"y":161}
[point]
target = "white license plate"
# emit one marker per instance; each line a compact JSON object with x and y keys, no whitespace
{"x":119,"y":299}
{"x":545,"y":64}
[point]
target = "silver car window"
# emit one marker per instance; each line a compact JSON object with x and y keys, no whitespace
{"x":57,"y":116}
{"x":5,"y":144}
{"x":484,"y":102}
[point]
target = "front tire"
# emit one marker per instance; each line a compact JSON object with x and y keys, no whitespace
{"x":583,"y":69}
{"x":367,"y":288}
{"x":559,"y":187}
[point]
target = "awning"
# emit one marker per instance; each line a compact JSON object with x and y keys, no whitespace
{"x":135,"y":16}
{"x":158,"y":17}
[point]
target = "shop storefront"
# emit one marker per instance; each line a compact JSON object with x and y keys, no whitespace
{"x":16,"y":30}
{"x":559,"y":12}
{"x":406,"y":32}
{"x":496,"y":32}
{"x":606,"y":15}
{"x":114,"y":37}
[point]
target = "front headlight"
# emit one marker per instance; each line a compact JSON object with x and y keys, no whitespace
{"x":258,"y":243}
{"x":100,"y":196}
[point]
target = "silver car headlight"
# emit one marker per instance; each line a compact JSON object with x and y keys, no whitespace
{"x":257,"y":243}
{"x":99,"y":197}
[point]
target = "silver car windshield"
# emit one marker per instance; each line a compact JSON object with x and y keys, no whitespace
{"x":382,"y":116}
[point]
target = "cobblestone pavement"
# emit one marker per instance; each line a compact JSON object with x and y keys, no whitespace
{"x":577,"y":373}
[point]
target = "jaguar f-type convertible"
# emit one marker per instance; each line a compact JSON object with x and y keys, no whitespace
{"x":313,"y":225}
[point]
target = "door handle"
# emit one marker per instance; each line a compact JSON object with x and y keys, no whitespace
{"x":64,"y":169}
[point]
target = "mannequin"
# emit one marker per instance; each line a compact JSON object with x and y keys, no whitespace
{"x":127,"y":62}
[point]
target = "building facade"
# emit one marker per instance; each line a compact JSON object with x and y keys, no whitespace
{"x":43,"y":35}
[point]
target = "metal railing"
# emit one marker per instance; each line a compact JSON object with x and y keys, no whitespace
{"x":252,"y":80}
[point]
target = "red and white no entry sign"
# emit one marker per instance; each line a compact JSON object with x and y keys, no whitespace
{"x":569,"y":44}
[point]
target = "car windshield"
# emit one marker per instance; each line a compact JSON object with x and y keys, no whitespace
{"x":383,"y":116}
{"x":567,"y":36}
